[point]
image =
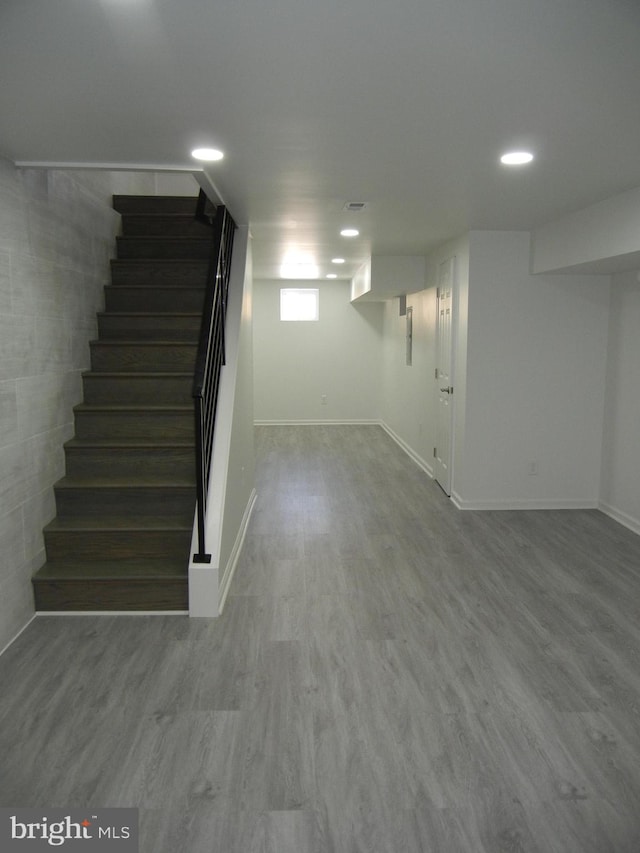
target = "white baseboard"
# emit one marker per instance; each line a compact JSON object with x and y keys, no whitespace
{"x":327,"y":422}
{"x":456,"y":500}
{"x":621,"y":517}
{"x":235,"y":553}
{"x":13,"y":639}
{"x":420,"y":462}
{"x":112,"y":613}
{"x":534,"y":503}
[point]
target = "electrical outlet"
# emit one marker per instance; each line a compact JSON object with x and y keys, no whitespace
{"x":532,"y":469}
{"x":323,"y":399}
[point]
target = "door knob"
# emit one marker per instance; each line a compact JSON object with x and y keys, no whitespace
{"x":448,"y":390}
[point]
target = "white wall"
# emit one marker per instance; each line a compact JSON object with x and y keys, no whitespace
{"x":529,"y":376}
{"x":175,"y":183}
{"x":604,"y":237}
{"x":620,"y":491}
{"x":57,"y":232}
{"x":406,"y":399}
{"x":535,"y":381}
{"x":295,"y":364}
{"x":240,"y":478}
{"x":408,"y":392}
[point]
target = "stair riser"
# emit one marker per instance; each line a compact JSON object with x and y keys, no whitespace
{"x":148,"y":328}
{"x":143,"y":358}
{"x":117,"y":544}
{"x":128,"y":595}
{"x":136,"y":425}
{"x":161,"y":226}
{"x":163,"y":247}
{"x":167,"y":273}
{"x":130,"y":390}
{"x":132,"y":462}
{"x":153,"y":205}
{"x":93,"y":502}
{"x":167,"y":300}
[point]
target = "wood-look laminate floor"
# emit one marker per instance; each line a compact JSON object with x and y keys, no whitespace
{"x":389,"y":674}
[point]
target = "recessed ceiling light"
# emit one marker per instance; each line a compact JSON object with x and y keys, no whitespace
{"x":349,"y":232}
{"x":516,"y":158}
{"x":337,"y":260}
{"x":331,"y":275}
{"x":209,"y":154}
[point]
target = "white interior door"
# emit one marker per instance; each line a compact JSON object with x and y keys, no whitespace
{"x":444,"y":376}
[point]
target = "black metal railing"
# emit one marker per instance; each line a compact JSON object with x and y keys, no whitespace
{"x":211,"y":354}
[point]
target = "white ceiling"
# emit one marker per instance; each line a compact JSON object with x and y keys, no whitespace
{"x":405,"y":105}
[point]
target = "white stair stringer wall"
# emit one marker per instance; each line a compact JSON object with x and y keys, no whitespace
{"x":231,"y":491}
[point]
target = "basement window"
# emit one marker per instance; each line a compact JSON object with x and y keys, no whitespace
{"x":299,"y":304}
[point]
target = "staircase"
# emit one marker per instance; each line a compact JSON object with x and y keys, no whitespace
{"x":125,"y":508}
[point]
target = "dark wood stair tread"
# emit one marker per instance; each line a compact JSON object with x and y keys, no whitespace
{"x":107,"y":569}
{"x":137,"y":374}
{"x":142,"y":407}
{"x":145,"y":481}
{"x":184,"y":215}
{"x":160,"y":314}
{"x":143,"y":286}
{"x":173,"y":267}
{"x":172,"y":247}
{"x":124,"y":522}
{"x":162,"y":215}
{"x":163,"y":238}
{"x":182,"y":273}
{"x":144,"y":342}
{"x":165,"y":262}
{"x":147,"y":205}
{"x":136,"y":443}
